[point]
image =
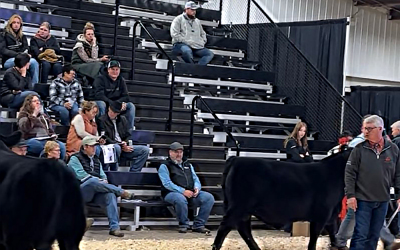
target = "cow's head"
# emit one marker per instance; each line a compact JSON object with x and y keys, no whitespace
{"x":9,"y":141}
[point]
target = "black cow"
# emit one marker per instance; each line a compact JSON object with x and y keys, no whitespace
{"x":40,"y":201}
{"x":282,"y":192}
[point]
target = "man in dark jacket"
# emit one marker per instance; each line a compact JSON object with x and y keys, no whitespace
{"x":111,"y":87}
{"x":16,"y":83}
{"x":13,"y":42}
{"x":181,"y":186}
{"x":396,"y":134}
{"x":116,"y":129}
{"x":94,"y":185}
{"x":373,"y":167}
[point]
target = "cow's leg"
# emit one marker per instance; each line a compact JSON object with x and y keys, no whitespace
{"x":68,"y":245}
{"x":244,"y":229}
{"x":222,"y":232}
{"x":315,"y":231}
{"x":332,"y":229}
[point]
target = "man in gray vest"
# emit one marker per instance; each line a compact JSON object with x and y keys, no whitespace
{"x":188,"y":36}
{"x":181,"y":186}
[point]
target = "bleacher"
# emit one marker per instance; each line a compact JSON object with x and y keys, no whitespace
{"x":242,"y":96}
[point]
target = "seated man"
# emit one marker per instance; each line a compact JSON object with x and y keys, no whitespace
{"x":13,"y":42}
{"x":181,"y":186}
{"x":66,"y":95}
{"x":110,"y":87}
{"x":116,"y":129}
{"x":20,"y":148}
{"x":188,"y":36}
{"x":16,"y":83}
{"x":94,"y":185}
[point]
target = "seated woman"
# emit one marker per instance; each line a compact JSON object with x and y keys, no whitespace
{"x":296,"y":145}
{"x":36,"y":127}
{"x":85,"y":54}
{"x":46,"y":50}
{"x":83,"y":125}
{"x":16,"y":83}
{"x":51,"y":150}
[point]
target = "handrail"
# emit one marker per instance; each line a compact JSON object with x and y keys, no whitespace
{"x":116,"y":27}
{"x":308,"y":61}
{"x":198,"y":97}
{"x":171,"y":63}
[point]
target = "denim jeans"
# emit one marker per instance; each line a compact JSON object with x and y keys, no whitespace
{"x":346,"y":230}
{"x":205,"y":54}
{"x":138,"y":156}
{"x":370,"y":218}
{"x":104,"y":195}
{"x":35,"y":147}
{"x":130,"y":112}
{"x":20,"y":98}
{"x":66,"y":115}
{"x":204,"y":200}
{"x":47,"y":67}
{"x":33,"y":69}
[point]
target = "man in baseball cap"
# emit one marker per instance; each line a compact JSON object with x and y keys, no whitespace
{"x":181,"y":186}
{"x":188,"y":36}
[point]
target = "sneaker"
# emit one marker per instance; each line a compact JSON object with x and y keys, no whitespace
{"x":116,"y":233}
{"x":183,"y":230}
{"x":127,"y":195}
{"x":201,"y":230}
{"x":89,"y":223}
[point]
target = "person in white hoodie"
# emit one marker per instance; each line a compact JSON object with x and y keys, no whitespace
{"x":188,"y":36}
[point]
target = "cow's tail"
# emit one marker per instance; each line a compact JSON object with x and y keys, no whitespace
{"x":228,"y":166}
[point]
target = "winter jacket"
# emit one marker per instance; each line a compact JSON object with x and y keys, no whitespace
{"x":34,"y":126}
{"x":10,"y":46}
{"x":13,"y":80}
{"x":106,"y":125}
{"x":188,"y":31}
{"x":108,"y":90}
{"x":38,"y":43}
{"x":293,"y":152}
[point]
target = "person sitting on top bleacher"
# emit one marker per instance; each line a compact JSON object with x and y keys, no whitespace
{"x":116,"y":130}
{"x":16,"y":83}
{"x":94,"y":185}
{"x":188,"y":36}
{"x":66,"y":95}
{"x":13,"y":42}
{"x":46,"y":50}
{"x":296,"y":145}
{"x":110,"y":87}
{"x":85,"y":53}
{"x":36,"y":127}
{"x":181,"y":186}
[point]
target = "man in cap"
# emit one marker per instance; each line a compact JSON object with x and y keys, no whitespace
{"x":94,"y":184}
{"x":188,"y":36}
{"x":20,"y":148}
{"x":110,"y":87}
{"x":116,"y":130}
{"x":181,"y":186}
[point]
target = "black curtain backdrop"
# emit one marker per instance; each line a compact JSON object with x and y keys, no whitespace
{"x":382,"y":101}
{"x":323,"y":43}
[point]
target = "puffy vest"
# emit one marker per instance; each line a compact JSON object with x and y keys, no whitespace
{"x":85,"y":161}
{"x":181,"y":177}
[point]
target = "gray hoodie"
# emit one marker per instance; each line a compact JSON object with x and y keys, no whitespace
{"x":188,"y":31}
{"x":369,"y":175}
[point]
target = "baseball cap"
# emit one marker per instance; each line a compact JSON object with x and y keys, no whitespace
{"x":191,"y":5}
{"x":113,"y":63}
{"x":89,"y":140}
{"x":176,"y":146}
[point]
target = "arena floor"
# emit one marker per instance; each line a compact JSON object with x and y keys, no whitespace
{"x":160,"y":239}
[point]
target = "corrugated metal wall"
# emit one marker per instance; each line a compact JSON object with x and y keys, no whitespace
{"x":374,"y":45}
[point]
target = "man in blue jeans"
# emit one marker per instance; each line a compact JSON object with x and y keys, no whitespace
{"x":188,"y":36}
{"x":373,"y":167}
{"x":181,"y":186}
{"x":94,"y":185}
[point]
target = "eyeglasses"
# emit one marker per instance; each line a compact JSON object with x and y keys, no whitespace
{"x":369,"y":129}
{"x":58,"y":150}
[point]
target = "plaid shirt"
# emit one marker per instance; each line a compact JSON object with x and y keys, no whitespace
{"x":61,"y":90}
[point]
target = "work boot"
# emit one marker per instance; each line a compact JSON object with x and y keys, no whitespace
{"x":183,"y":230}
{"x":117,"y":233}
{"x":127,"y":195}
{"x":89,"y":223}
{"x":202,"y":230}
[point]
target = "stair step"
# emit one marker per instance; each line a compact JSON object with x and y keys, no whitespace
{"x":154,"y":99}
{"x":151,"y":76}
{"x":148,"y":87}
{"x":100,"y":27}
{"x":86,"y":15}
{"x":158,"y":124}
{"x":168,"y":137}
{"x":205,"y":152}
{"x":162,"y":112}
{"x":82,"y":5}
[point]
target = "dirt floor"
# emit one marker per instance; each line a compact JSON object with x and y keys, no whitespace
{"x":160,"y":239}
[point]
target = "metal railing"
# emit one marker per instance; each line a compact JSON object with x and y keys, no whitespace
{"x":221,"y":124}
{"x":171,"y":64}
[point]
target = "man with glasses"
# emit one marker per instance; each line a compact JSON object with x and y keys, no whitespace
{"x":373,"y":167}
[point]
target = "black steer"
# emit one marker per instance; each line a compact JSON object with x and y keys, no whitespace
{"x":40,"y":202}
{"x":282,"y":192}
